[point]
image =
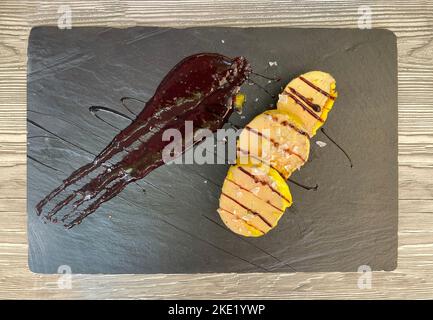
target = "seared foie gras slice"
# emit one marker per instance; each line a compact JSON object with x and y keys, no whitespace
{"x":253,"y":199}
{"x":309,"y":97}
{"x":277,"y":139}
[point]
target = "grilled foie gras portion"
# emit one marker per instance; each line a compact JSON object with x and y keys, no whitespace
{"x":310,"y":97}
{"x":253,"y":199}
{"x":270,"y":148}
{"x":276,"y":139}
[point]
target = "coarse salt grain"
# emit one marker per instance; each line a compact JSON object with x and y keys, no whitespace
{"x":321,"y":144}
{"x":255,"y":190}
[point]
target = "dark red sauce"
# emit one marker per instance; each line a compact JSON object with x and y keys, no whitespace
{"x":200,"y":88}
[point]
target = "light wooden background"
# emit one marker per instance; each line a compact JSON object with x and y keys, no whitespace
{"x":412,"y":21}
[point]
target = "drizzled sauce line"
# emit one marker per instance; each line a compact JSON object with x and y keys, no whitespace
{"x":124,"y":99}
{"x":248,"y":209}
{"x":286,"y":123}
{"x":276,"y":144}
{"x":312,"y":85}
{"x":247,"y":153}
{"x":249,"y":191}
{"x":273,"y":79}
{"x":304,"y":186}
{"x":262,"y":88}
{"x":240,"y":218}
{"x":312,"y":113}
{"x":338,"y":146}
{"x":312,"y":105}
{"x":264,"y":183}
{"x":95,"y":109}
{"x":269,"y":165}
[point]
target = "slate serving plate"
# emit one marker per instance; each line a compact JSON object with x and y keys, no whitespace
{"x":173,"y":226}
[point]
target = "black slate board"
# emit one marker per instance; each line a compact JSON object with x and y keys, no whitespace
{"x":173,"y":227}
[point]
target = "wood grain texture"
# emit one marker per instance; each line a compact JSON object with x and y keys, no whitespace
{"x":413,"y":24}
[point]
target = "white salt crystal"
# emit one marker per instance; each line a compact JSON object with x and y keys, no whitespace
{"x":321,"y":144}
{"x":256,"y":171}
{"x":283,"y":98}
{"x":255,"y":190}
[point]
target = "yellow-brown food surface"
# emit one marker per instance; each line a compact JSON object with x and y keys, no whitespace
{"x":270,"y":148}
{"x":309,"y":97}
{"x":276,"y":139}
{"x":253,"y":199}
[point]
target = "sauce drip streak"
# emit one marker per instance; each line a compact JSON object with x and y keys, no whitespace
{"x":338,"y":146}
{"x":200,"y":88}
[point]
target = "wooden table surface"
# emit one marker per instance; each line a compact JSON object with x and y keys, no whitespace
{"x":412,"y":21}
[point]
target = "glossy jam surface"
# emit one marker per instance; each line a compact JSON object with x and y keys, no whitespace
{"x":200,"y":88}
